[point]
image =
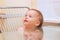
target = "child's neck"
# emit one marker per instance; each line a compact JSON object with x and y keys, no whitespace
{"x":30,"y":29}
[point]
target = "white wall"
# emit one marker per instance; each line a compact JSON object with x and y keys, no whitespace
{"x":50,"y":9}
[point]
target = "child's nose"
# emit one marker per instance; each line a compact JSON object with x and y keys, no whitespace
{"x":26,"y":17}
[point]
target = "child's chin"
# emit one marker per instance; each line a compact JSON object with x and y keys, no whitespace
{"x":25,"y":23}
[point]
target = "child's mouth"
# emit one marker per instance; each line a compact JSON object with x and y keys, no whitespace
{"x":25,"y":21}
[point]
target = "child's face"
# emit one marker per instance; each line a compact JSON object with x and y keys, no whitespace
{"x":31,"y":18}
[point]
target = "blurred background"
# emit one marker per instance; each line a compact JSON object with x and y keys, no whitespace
{"x":12,"y":13}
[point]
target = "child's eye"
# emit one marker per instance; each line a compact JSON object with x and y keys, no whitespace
{"x":30,"y":16}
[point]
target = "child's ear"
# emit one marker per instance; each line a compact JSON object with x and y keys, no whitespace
{"x":37,"y":23}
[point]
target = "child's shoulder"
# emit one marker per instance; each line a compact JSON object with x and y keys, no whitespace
{"x":38,"y":32}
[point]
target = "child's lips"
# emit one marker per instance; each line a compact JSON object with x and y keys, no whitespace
{"x":25,"y":21}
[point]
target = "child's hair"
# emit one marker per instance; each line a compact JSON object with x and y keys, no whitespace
{"x":40,"y":18}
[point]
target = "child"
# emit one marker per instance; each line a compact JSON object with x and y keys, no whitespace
{"x":33,"y":25}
